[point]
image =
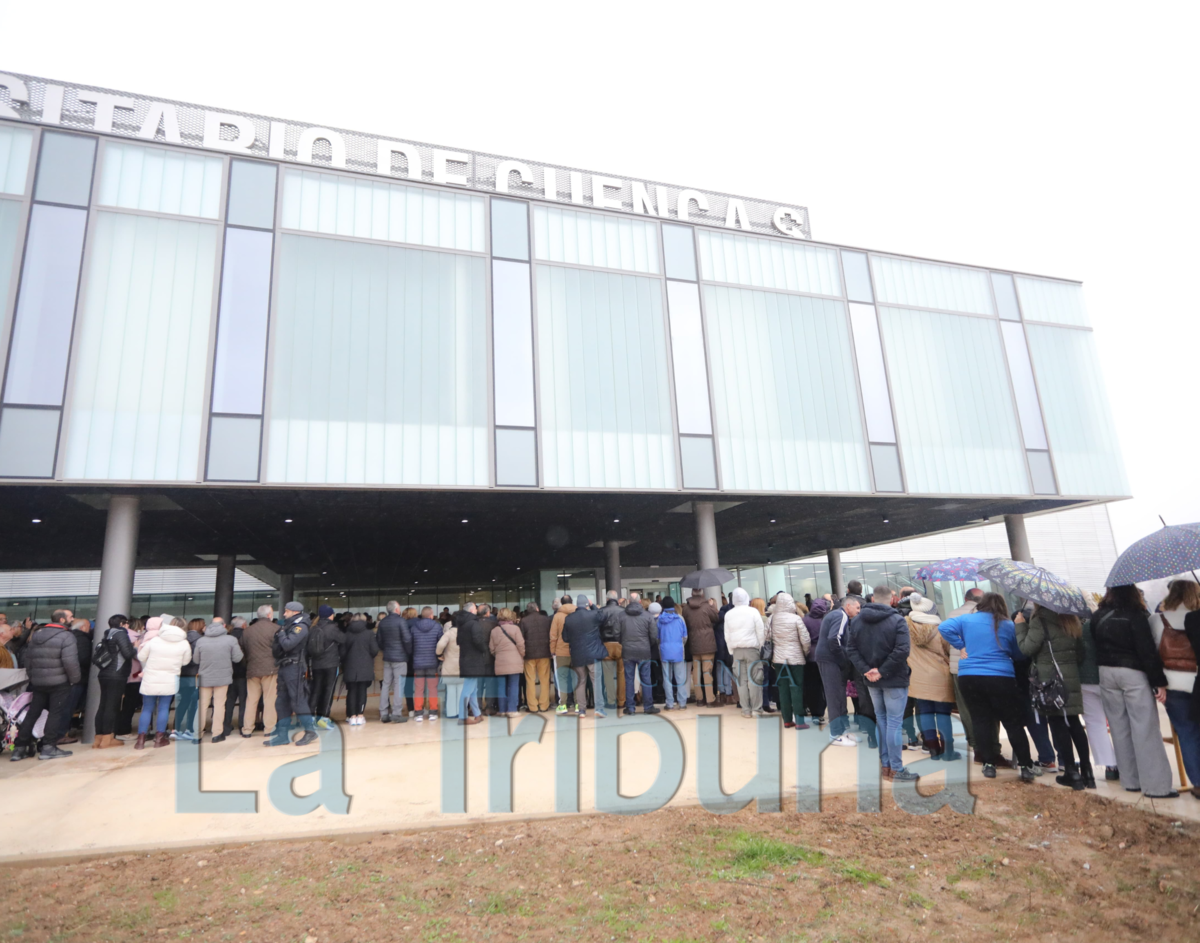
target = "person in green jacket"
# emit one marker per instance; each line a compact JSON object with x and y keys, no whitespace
{"x":1051,"y":640}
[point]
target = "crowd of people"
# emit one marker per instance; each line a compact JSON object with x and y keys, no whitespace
{"x":1085,"y":693}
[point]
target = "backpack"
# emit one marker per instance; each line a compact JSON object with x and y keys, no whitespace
{"x":107,"y":654}
{"x":317,"y":642}
{"x":1174,"y":648}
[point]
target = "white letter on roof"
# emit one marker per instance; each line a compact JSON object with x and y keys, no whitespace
{"x":641,"y":200}
{"x":408,"y":151}
{"x":104,"y":108}
{"x":599,"y":200}
{"x":310,"y":136}
{"x":506,"y":167}
{"x":735,"y":215}
{"x":442,"y":175}
{"x":214,"y":121}
{"x":164,"y":114}
{"x":690,"y":196}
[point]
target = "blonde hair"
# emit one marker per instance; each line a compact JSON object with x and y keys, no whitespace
{"x":194,"y":625}
{"x":506,"y":615}
{"x":409,"y":613}
{"x":1184,"y":593}
{"x":760,"y":605}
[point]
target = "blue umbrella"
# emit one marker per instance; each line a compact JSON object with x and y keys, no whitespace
{"x":1166,"y":552}
{"x":1036,"y":584}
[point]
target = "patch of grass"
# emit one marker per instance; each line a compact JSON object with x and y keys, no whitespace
{"x":131,"y":919}
{"x":166,"y":899}
{"x":16,"y":929}
{"x":721,"y":926}
{"x":916,"y":900}
{"x":861,"y":875}
{"x":755,"y":854}
{"x":438,"y":930}
{"x":973,"y":869}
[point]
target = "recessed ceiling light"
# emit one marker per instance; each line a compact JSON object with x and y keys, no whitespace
{"x":616,"y":520}
{"x":37,"y":520}
{"x":885,"y":520}
{"x":287,"y":520}
{"x":464,"y":520}
{"x":772,"y":520}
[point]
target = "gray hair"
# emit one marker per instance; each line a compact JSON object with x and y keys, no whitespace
{"x":265,"y":612}
{"x":611,"y":594}
{"x":471,"y":607}
{"x":238,"y":622}
{"x":634,"y":596}
{"x":83,"y":625}
{"x":394,"y":606}
{"x":427,"y":612}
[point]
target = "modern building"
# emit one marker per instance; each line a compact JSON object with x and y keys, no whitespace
{"x":357,"y":362}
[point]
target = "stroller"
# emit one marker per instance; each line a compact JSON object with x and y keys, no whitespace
{"x":14,"y":702}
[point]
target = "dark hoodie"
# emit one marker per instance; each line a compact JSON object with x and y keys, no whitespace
{"x":325,"y":641}
{"x":474,"y":657}
{"x":358,"y":653}
{"x":812,"y":622}
{"x":878,"y":638}
{"x":638,"y":633}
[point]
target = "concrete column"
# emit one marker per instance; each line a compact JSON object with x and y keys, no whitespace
{"x":116,"y":585}
{"x":287,"y":588}
{"x":836,"y":581}
{"x":612,"y":566}
{"x":1018,"y":540}
{"x":706,"y":541}
{"x":223,"y":603}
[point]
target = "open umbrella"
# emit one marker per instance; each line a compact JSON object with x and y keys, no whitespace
{"x":956,"y":568}
{"x":700,"y":579}
{"x":1036,"y":584}
{"x":1166,"y":552}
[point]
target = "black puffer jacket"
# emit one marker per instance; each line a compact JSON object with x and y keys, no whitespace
{"x":83,"y":644}
{"x":358,"y":653}
{"x":395,"y":641}
{"x":474,"y":657}
{"x":325,"y":640}
{"x":878,"y":638}
{"x":425,"y":636}
{"x":1124,"y":640}
{"x":610,"y":622}
{"x":118,"y":640}
{"x":52,"y":657}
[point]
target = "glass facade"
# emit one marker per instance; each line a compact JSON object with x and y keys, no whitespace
{"x":16,"y":144}
{"x":594,"y":239}
{"x":768,"y":263}
{"x":930,"y":285}
{"x":1055,"y":302}
{"x":161,"y":181}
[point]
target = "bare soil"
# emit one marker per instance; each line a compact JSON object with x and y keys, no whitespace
{"x":1032,"y":862}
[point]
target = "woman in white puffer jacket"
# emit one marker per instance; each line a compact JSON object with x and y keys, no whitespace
{"x":162,"y":658}
{"x":790,"y":646}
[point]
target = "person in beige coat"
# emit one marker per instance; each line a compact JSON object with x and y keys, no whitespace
{"x":451,"y":684}
{"x":560,"y":654}
{"x":930,"y":684}
{"x":507,"y":646}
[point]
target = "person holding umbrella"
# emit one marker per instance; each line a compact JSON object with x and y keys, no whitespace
{"x":1179,"y":664}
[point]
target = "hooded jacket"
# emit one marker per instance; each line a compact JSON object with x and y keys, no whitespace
{"x":256,"y":640}
{"x":325,"y":640}
{"x":395,"y":641}
{"x":559,"y":647}
{"x":812,"y":621}
{"x":672,"y":633}
{"x":535,"y":626}
{"x":425,"y":634}
{"x":743,"y":625}
{"x":162,"y":658}
{"x":51,"y":657}
{"x":878,"y":638}
{"x":214,"y":655}
{"x":700,"y":619}
{"x":788,"y":633}
{"x":1044,"y":640}
{"x":507,"y":645}
{"x":581,"y":629}
{"x":358,"y":653}
{"x":638,"y":633}
{"x":474,"y":653}
{"x":126,"y":655}
{"x":928,"y":655}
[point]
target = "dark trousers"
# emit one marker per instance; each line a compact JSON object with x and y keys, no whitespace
{"x":320,"y":690}
{"x":131,"y":704}
{"x":291,"y":697}
{"x":236,"y":696}
{"x":1070,"y":738}
{"x":834,"y":684}
{"x":814,"y":691}
{"x":111,"y":693}
{"x":863,"y":706}
{"x":78,"y":693}
{"x":789,"y":679}
{"x":994,"y":700}
{"x":910,"y":720}
{"x":356,"y":697}
{"x":56,"y":700}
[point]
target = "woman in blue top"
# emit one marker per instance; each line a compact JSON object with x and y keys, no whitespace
{"x":672,"y":633}
{"x":988,"y":682}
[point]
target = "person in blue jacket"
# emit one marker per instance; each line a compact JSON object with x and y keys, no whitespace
{"x":988,"y":681}
{"x":672,"y":633}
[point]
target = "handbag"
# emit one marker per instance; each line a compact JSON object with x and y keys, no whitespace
{"x":1049,"y":695}
{"x":1174,"y":648}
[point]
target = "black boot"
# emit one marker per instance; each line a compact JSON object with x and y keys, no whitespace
{"x":1071,"y":777}
{"x":1088,"y":775}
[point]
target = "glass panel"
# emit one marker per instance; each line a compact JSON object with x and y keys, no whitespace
{"x":858,"y":277}
{"x":384,"y":350}
{"x":606,"y":406}
{"x":241,"y":357}
{"x":251,"y":194}
{"x":65,"y":169}
{"x":687,"y":355}
{"x":1087,"y":455}
{"x":954,"y":407}
{"x":931,"y":285}
{"x":510,"y":229}
{"x":1042,"y":471}
{"x":768,"y":263}
{"x":148,"y":178}
{"x":594,"y":239}
{"x":27,"y":441}
{"x":699,"y":465}
{"x":15,"y":145}
{"x":371,"y":209}
{"x":138,"y":395}
{"x":10,"y":224}
{"x":512,"y":343}
{"x":516,"y":457}
{"x":679,"y":252}
{"x":1057,"y":302}
{"x":1028,"y":409}
{"x":1006,"y":296}
{"x":885,"y":459}
{"x":41,"y":343}
{"x":791,"y":422}
{"x":233,"y":446}
{"x":776,"y":580}
{"x":872,"y":376}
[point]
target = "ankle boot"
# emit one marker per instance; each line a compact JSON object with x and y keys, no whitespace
{"x":161,"y":740}
{"x":141,"y":742}
{"x":933,"y":745}
{"x":98,"y":742}
{"x":1070,"y":778}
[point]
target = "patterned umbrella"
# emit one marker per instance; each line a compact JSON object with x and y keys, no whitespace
{"x":956,"y":568}
{"x":1033,"y":583}
{"x":1166,"y":552}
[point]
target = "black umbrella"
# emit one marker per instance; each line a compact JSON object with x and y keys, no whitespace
{"x":700,"y":579}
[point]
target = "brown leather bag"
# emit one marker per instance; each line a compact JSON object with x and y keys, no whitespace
{"x":1175,"y":650}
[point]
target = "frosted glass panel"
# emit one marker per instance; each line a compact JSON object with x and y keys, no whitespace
{"x":380,"y":366}
{"x":1056,"y":302}
{"x":137,"y":399}
{"x":1020,"y":368}
{"x":699,"y":463}
{"x":858,"y":277}
{"x":148,"y":178}
{"x":391,"y":212}
{"x":233,"y":447}
{"x":510,"y":229}
{"x":931,"y":285}
{"x":10,"y":223}
{"x":64,"y":172}
{"x":1079,"y":421}
{"x":606,"y":405}
{"x":28,"y":438}
{"x":516,"y":457}
{"x":679,"y":252}
{"x":768,"y":263}
{"x":783,"y":384}
{"x":251,"y":194}
{"x":512,"y":343}
{"x":872,"y":375}
{"x":15,"y":144}
{"x":953,"y":403}
{"x":241,"y":358}
{"x":687,"y":355}
{"x":594,"y":239}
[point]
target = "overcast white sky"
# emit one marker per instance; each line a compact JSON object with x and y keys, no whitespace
{"x":1058,"y":139}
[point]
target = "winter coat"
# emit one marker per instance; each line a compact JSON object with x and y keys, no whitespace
{"x":425,"y":634}
{"x":290,"y":645}
{"x":162,"y":658}
{"x":812,"y":622}
{"x":395,"y":641}
{"x":990,"y":650}
{"x":214,"y":655}
{"x":829,"y":646}
{"x":238,"y":634}
{"x":474,"y":649}
{"x":507,"y":645}
{"x":788,"y":633}
{"x":535,"y":627}
{"x":189,"y":670}
{"x":610,"y":622}
{"x":723,"y":655}
{"x":358,"y":653}
{"x":672,"y":633}
{"x":638,"y":632}
{"x":558,"y":645}
{"x":119,"y":642}
{"x":743,"y":625}
{"x":447,"y":647}
{"x":83,"y":642}
{"x":325,"y":640}
{"x":582,"y":633}
{"x":1089,"y":671}
{"x":256,"y":641}
{"x":1124,"y":640}
{"x":1037,"y":637}
{"x":51,"y":658}
{"x":929,"y":660}
{"x":700,"y":620}
{"x":878,"y":638}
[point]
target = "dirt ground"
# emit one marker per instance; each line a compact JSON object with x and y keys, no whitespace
{"x":1032,"y":862}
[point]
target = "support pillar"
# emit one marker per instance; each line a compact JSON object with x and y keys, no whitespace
{"x":116,"y":585}
{"x":1018,"y":540}
{"x":223,"y":601}
{"x":612,"y":567}
{"x":287,"y":588}
{"x":836,"y":581}
{"x":706,"y":541}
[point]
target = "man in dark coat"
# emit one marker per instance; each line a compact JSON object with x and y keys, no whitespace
{"x":51,"y":658}
{"x":877,"y":644}
{"x":291,"y":690}
{"x":639,"y":635}
{"x":235,"y":696}
{"x":81,"y":631}
{"x":475,"y":662}
{"x":831,"y":660}
{"x":701,"y":619}
{"x":582,"y":632}
{"x":395,"y":641}
{"x":324,"y":658}
{"x":258,"y":644}
{"x":614,"y":665}
{"x":535,"y":627}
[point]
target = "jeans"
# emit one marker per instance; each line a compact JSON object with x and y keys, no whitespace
{"x":750,"y":694}
{"x":1187,"y":731}
{"x":77,"y":694}
{"x":910,"y":720}
{"x":790,"y":680}
{"x":995,"y":700}
{"x":640,"y":669}
{"x":564,"y":680}
{"x":55,"y":700}
{"x":159,"y":705}
{"x":469,"y":697}
{"x":595,"y":673}
{"x":675,"y":682}
{"x":933,"y":717}
{"x":889,"y":704}
{"x":189,"y":698}
{"x":1039,"y":731}
{"x":509,"y":691}
{"x":391,"y":695}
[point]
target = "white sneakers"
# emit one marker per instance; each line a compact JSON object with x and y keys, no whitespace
{"x":842,"y":741}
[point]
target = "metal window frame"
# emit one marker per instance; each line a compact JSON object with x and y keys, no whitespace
{"x":653,"y":222}
{"x":102,"y":158}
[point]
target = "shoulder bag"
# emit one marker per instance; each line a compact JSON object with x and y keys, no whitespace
{"x":1048,"y":696}
{"x":1175,"y":649}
